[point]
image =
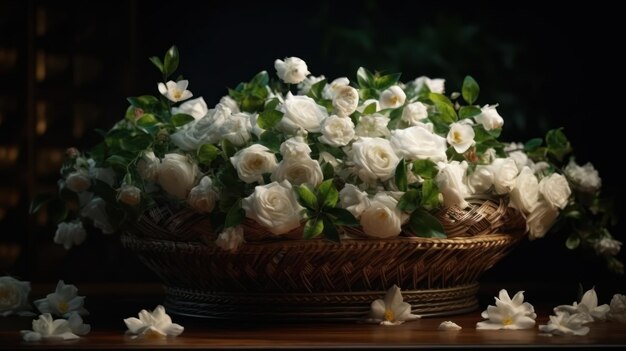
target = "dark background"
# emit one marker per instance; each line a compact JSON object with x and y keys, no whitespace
{"x":545,"y":67}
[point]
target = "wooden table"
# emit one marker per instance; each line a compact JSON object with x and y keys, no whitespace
{"x":120,"y":301}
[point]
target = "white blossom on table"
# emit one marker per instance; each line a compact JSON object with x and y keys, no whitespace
{"x":14,"y":297}
{"x":449,"y":325}
{"x":392,"y":310}
{"x":564,"y":323}
{"x":46,"y":327}
{"x":617,"y":310}
{"x":63,"y":301}
{"x":511,"y":314}
{"x":588,"y":307}
{"x":155,"y":324}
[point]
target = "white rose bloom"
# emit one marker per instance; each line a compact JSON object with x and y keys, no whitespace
{"x":505,"y":172}
{"x":206,"y":130}
{"x":70,"y":234}
{"x":337,"y":131}
{"x":414,"y":113}
{"x":345,"y":101}
{"x":325,"y":157}
{"x":461,"y":137}
{"x":302,"y":112}
{"x":330,"y":89}
{"x":96,"y":211}
{"x":516,"y":152}
{"x":148,"y":166}
{"x":607,"y":247}
{"x":236,"y":129}
{"x":435,"y":85}
{"x":47,"y":328}
{"x":585,"y":178}
{"x":230,"y":239}
{"x":541,"y":219}
{"x":305,"y":86}
{"x":175,"y":91}
{"x":354,"y":200}
{"x":196,"y":108}
{"x":392,"y":97}
{"x":14,"y":297}
{"x":129,"y":194}
{"x":375,"y":159}
{"x":481,"y":180}
{"x":203,"y":196}
{"x":367,"y":103}
{"x":450,"y":183}
{"x":275,"y":207}
{"x":540,"y":167}
{"x":417,"y":143}
{"x":555,"y":190}
{"x":252,"y":162}
{"x":177,"y":175}
{"x":299,"y":171}
{"x":153,"y":325}
{"x":372,"y":126}
{"x":382,"y":219}
{"x":78,"y":181}
{"x":525,"y":193}
{"x":489,"y":118}
{"x":291,"y":71}
{"x":618,"y":308}
{"x":295,"y":147}
{"x":229,"y":102}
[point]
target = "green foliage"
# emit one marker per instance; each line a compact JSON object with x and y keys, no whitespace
{"x":170,"y":63}
{"x":444,"y":106}
{"x":470,"y":90}
{"x":558,"y":144}
{"x":425,"y":225}
{"x":181,"y":119}
{"x":400,"y":177}
{"x":207,"y":153}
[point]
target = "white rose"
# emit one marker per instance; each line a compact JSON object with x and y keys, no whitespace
{"x":229,"y":102}
{"x":236,"y":129}
{"x":148,"y":166}
{"x":345,"y":101}
{"x":96,"y":211}
{"x":13,"y":296}
{"x":607,"y":247}
{"x":177,"y":174}
{"x":372,"y":126}
{"x":585,"y":178}
{"x":540,"y":167}
{"x":461,"y":137}
{"x":354,"y":200}
{"x":541,"y":219}
{"x":367,"y":103}
{"x":417,"y":143}
{"x":196,"y":108}
{"x":295,"y":148}
{"x":414,"y":113}
{"x":230,"y":239}
{"x":302,"y":112}
{"x":291,"y":71}
{"x":505,"y":172}
{"x":326,"y":157}
{"x":481,"y":180}
{"x":299,"y":171}
{"x":329,"y":90}
{"x":436,"y":85}
{"x":555,"y":190}
{"x":70,"y":234}
{"x":525,"y":193}
{"x":206,"y":130}
{"x":305,"y":86}
{"x":382,"y":219}
{"x":392,"y":97}
{"x":489,"y":118}
{"x":337,"y":131}
{"x":375,"y":159}
{"x":450,"y":183}
{"x":274,"y":206}
{"x":203,"y":196}
{"x":617,"y":310}
{"x":252,"y":162}
{"x":78,"y":181}
{"x":129,"y":194}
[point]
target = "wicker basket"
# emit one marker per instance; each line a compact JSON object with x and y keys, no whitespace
{"x":288,"y":278}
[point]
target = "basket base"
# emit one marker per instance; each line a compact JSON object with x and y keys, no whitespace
{"x":351,"y":306}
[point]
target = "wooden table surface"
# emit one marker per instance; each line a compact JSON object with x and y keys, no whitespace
{"x":121,"y":301}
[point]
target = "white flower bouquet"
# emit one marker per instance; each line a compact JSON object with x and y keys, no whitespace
{"x":313,"y":156}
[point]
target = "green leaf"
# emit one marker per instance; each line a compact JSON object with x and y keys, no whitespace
{"x":370,"y":109}
{"x":251,"y":103}
{"x":228,"y":149}
{"x":572,"y":242}
{"x":260,"y":79}
{"x":330,"y":230}
{"x":394,"y":117}
{"x":425,"y":168}
{"x":384,"y":82}
{"x":532,"y":144}
{"x":469,"y":111}
{"x":313,"y":227}
{"x":328,"y":194}
{"x":144,"y":102}
{"x":470,"y":90}
{"x":271,"y":140}
{"x":235,"y":215}
{"x":430,"y":194}
{"x":425,"y":225}
{"x":117,"y":161}
{"x":557,"y":143}
{"x":180,"y":119}
{"x":170,"y":64}
{"x":401,"y":180}
{"x":39,"y":201}
{"x":342,"y":217}
{"x":444,"y":106}
{"x":328,"y":171}
{"x":306,"y":197}
{"x":136,"y":143}
{"x":269,"y":118}
{"x":409,"y":201}
{"x":271,"y":104}
{"x":365,"y":78}
{"x":207,"y":153}
{"x":147,"y":120}
{"x":368,"y":93}
{"x":157,"y":62}
{"x":316,"y":90}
